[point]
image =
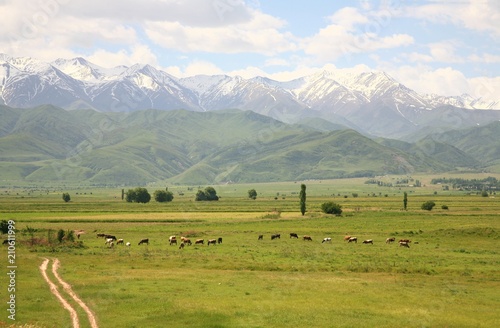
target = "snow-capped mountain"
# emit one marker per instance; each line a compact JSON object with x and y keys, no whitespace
{"x":373,"y":101}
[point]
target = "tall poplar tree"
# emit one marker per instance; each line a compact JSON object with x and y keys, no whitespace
{"x":303,"y":199}
{"x":405,"y":200}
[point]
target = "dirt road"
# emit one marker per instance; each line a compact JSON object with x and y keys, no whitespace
{"x":67,"y":288}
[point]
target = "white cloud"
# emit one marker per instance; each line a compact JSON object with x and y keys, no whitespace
{"x":426,"y":80}
{"x":346,"y":36}
{"x":474,"y":15}
{"x":261,"y":34}
{"x":137,"y":54}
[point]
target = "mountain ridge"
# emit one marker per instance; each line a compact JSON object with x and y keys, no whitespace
{"x":366,"y":100}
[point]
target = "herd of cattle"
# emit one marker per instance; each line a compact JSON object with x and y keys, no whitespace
{"x":172,"y":240}
{"x":112,"y":240}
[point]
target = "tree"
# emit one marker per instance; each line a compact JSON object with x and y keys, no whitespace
{"x":302,"y":197}
{"x":405,"y":200}
{"x":138,"y":195}
{"x":66,"y":197}
{"x":208,"y":194}
{"x":331,"y":208}
{"x":428,"y":205}
{"x":252,"y":194}
{"x":162,"y":196}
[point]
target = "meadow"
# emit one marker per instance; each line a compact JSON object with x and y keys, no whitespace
{"x":449,"y":277}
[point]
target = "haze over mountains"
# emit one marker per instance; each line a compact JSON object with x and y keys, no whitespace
{"x":372,"y":103}
{"x":71,"y":120}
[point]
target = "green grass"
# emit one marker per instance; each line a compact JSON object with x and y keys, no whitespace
{"x":448,"y":279}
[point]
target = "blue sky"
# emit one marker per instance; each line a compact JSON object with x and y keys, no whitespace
{"x":432,"y":46}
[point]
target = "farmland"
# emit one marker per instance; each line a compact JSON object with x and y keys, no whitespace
{"x":449,"y":276}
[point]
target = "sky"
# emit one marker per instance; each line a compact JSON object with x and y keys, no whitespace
{"x":445,"y":47}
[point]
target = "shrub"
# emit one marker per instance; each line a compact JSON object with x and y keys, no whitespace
{"x":428,"y":205}
{"x":60,"y":235}
{"x":252,"y":193}
{"x":208,"y":194}
{"x":66,"y":197}
{"x":444,"y":207}
{"x":331,"y":208}
{"x":138,"y":195}
{"x":162,"y":196}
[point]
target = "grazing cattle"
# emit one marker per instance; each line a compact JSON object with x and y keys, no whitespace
{"x":110,"y":237}
{"x":390,"y":240}
{"x":144,"y":241}
{"x":293,"y":235}
{"x":404,"y":244}
{"x":346,"y":238}
{"x":187,"y":241}
{"x":261,"y":237}
{"x":5,"y":242}
{"x":100,"y":235}
{"x":327,"y":240}
{"x":276,"y":236}
{"x":353,"y":239}
{"x":219,"y":240}
{"x":112,"y":244}
{"x":128,"y":243}
{"x":199,"y":241}
{"x":211,"y":241}
{"x":119,"y":241}
{"x":172,"y":240}
{"x":108,"y":241}
{"x":368,"y":241}
{"x":181,"y":246}
{"x":307,"y":238}
{"x":405,"y":240}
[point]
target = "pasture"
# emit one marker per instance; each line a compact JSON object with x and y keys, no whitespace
{"x":449,"y":277}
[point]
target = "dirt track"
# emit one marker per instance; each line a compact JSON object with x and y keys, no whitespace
{"x":67,"y":288}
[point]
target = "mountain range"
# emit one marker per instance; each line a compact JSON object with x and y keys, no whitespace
{"x":48,"y":144}
{"x":372,"y":103}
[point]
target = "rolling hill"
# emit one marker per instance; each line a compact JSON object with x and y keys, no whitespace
{"x":47,"y":144}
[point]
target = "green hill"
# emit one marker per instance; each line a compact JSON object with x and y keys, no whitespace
{"x":51,"y":144}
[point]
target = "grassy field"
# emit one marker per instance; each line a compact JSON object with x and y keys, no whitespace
{"x":449,"y":277}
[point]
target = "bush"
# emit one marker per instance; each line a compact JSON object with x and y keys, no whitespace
{"x":208,"y":194}
{"x":162,"y":196}
{"x":60,"y":235}
{"x":331,"y":208}
{"x":428,"y":205}
{"x":138,"y":195}
{"x":444,"y":207}
{"x":252,"y":193}
{"x":66,"y":197}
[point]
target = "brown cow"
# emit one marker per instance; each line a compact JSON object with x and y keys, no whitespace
{"x":368,"y":241}
{"x":219,"y":240}
{"x":212,"y":241}
{"x":346,"y":238}
{"x":261,"y":237}
{"x":144,"y":241}
{"x":293,"y":235}
{"x":181,"y":246}
{"x":390,"y":240}
{"x":307,"y":238}
{"x":405,"y":240}
{"x":172,"y":240}
{"x":276,"y":236}
{"x":199,"y":241}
